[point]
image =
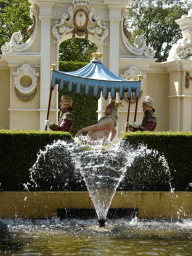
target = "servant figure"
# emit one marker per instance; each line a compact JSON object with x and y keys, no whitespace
{"x":65,"y":123}
{"x":149,"y":120}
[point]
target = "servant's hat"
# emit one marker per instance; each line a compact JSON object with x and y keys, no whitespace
{"x":148,"y":101}
{"x":68,"y":100}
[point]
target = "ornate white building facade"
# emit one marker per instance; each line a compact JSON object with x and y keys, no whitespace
{"x":25,"y":67}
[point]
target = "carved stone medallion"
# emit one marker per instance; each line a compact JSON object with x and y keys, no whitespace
{"x":25,"y":82}
{"x":80,"y":20}
{"x":80,"y":23}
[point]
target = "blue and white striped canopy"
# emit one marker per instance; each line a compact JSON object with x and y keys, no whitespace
{"x":93,"y":79}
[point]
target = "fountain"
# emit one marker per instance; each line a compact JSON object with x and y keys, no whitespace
{"x":102,"y":168}
{"x":4,"y":233}
{"x":120,"y":237}
{"x":102,"y":171}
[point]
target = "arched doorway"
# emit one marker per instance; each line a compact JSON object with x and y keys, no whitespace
{"x":76,"y":50}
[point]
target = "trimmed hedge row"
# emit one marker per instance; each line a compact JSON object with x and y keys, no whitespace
{"x":177,"y":149}
{"x":18,"y":153}
{"x":84,"y":111}
{"x":84,"y":108}
{"x":69,"y":66}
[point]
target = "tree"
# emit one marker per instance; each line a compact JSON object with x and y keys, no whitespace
{"x":77,"y":50}
{"x":155,"y":20}
{"x":14,"y":17}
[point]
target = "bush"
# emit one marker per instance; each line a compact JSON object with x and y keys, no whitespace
{"x":69,"y":66}
{"x":177,"y":149}
{"x":19,"y":149}
{"x":84,"y":108}
{"x":55,"y":170}
{"x":18,"y":152}
{"x":149,"y":172}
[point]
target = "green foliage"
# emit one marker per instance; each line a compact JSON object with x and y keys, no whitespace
{"x":84,"y":108}
{"x":155,"y":20}
{"x":18,"y":152}
{"x":55,"y":170}
{"x":177,"y":149}
{"x":149,"y":172}
{"x":77,"y":50}
{"x":14,"y":17}
{"x":71,"y":65}
{"x":84,"y":111}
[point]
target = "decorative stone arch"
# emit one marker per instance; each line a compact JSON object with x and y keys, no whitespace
{"x":100,"y":21}
{"x":71,"y":25}
{"x":91,"y":38}
{"x":80,"y":21}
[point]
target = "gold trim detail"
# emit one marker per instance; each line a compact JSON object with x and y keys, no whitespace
{"x":187,"y":77}
{"x":25,"y":98}
{"x":97,"y":55}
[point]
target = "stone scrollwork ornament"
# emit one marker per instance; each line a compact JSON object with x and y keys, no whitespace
{"x":32,"y":27}
{"x":16,"y":44}
{"x":183,"y":48}
{"x":134,"y":74}
{"x":139,"y":48}
{"x":80,"y":20}
{"x":25,"y":80}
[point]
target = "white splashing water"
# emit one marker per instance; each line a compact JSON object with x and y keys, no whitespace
{"x":103,"y":168}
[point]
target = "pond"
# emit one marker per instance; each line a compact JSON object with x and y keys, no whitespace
{"x":84,"y":237}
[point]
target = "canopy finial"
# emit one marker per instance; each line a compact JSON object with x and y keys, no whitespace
{"x":53,"y":66}
{"x":97,"y":55}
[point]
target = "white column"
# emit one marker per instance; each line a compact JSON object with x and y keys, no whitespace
{"x":186,"y":113}
{"x":45,"y":71}
{"x":115,"y":18}
{"x":100,"y":102}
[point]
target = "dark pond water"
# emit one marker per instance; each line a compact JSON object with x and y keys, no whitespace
{"x":84,"y":237}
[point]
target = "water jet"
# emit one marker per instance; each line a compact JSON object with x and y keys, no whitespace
{"x":102,"y":169}
{"x":159,"y":220}
{"x":102,"y":223}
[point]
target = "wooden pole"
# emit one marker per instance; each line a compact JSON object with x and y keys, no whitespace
{"x":49,"y":104}
{"x":50,"y":96}
{"x":135,"y":117}
{"x":128,"y":113}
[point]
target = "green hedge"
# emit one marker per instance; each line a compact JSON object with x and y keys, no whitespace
{"x":84,"y":108}
{"x":68,"y":66}
{"x":18,"y":152}
{"x":177,"y":149}
{"x":19,"y":149}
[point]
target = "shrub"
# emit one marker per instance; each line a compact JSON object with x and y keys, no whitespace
{"x":19,"y":149}
{"x":177,"y":149}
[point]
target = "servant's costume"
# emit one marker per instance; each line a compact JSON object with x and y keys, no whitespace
{"x":65,"y":122}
